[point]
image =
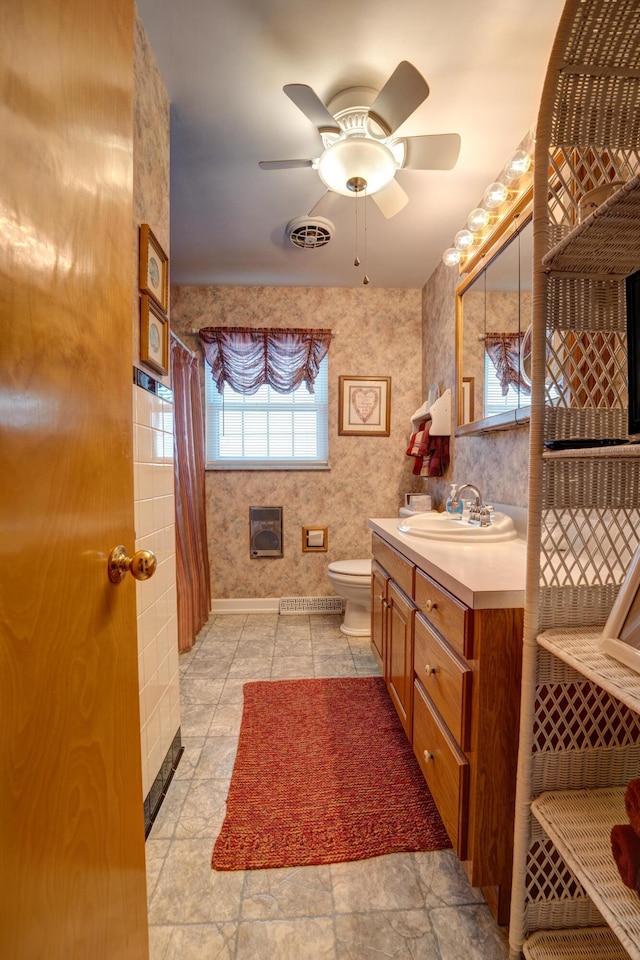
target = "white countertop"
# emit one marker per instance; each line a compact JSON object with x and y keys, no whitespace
{"x":483,"y":576}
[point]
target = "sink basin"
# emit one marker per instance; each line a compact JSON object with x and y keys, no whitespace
{"x":442,"y":526}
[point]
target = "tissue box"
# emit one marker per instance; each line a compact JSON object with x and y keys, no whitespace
{"x":419,"y":502}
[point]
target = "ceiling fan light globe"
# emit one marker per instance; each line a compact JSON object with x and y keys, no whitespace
{"x":353,"y":158}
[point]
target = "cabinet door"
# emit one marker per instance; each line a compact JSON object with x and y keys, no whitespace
{"x":379,"y":582}
{"x":399,"y":655}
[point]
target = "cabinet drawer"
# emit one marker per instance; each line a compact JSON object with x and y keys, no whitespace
{"x":398,"y":568}
{"x":444,"y":766}
{"x":453,"y":619}
{"x":446,"y":678}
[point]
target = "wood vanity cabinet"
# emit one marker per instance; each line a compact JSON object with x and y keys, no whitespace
{"x":453,"y":674}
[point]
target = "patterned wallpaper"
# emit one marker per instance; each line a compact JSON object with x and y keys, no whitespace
{"x":151,"y":166}
{"x":377,"y":333}
{"x":497,"y":463}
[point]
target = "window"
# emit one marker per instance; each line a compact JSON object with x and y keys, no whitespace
{"x":267,"y":430}
{"x":494,"y":399}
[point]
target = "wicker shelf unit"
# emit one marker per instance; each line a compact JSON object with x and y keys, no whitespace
{"x":580,"y":710}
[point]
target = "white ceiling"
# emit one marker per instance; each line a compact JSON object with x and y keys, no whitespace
{"x":225,"y":63}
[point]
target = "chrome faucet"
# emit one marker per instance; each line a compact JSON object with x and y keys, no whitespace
{"x":479,"y":513}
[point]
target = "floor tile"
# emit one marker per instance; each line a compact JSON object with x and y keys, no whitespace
{"x":280,"y":894}
{"x":382,"y":883}
{"x":189,"y":891}
{"x":306,"y":939}
{"x":397,"y":935}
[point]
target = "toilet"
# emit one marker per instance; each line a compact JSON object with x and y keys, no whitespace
{"x":351,"y":580}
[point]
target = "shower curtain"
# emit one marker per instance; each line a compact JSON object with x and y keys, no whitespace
{"x":192,"y":554}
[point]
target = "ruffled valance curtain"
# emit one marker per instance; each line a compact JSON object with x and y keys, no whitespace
{"x":248,"y":357}
{"x":504,"y":352}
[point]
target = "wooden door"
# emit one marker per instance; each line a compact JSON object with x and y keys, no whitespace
{"x":71,"y":822}
{"x":399,"y":659}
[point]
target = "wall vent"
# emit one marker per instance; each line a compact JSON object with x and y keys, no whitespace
{"x":293,"y":605}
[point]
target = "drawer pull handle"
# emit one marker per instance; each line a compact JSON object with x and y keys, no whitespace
{"x":430,"y":605}
{"x":428,"y":757}
{"x":429,"y":670}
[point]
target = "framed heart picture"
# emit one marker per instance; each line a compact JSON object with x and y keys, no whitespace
{"x":364,"y":406}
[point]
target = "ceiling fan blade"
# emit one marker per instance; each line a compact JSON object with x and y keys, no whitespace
{"x":325,"y":204}
{"x":312,"y":106}
{"x":283,"y":164}
{"x":391,"y":199}
{"x":403,"y":92}
{"x":437,"y":152}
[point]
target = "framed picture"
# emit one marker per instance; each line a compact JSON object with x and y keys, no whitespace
{"x":154,"y":268}
{"x":154,"y":336}
{"x":468,"y":388}
{"x":621,"y":634}
{"x":364,"y":406}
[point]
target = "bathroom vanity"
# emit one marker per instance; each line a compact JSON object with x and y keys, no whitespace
{"x":447,"y":623}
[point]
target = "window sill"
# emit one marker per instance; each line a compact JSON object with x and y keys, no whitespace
{"x":245,"y":467}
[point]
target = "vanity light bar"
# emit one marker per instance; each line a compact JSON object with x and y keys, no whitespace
{"x":495,"y":196}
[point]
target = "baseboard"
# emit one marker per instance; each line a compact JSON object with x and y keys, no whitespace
{"x":246,"y":605}
{"x":153,"y":800}
{"x":282,"y":605}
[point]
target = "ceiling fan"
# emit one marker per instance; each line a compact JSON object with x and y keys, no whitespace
{"x":361,"y":153}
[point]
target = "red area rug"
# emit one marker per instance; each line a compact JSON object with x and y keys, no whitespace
{"x":323,"y":774}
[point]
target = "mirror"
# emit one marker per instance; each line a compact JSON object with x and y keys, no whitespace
{"x":493,"y":328}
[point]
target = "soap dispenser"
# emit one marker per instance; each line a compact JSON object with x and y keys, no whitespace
{"x":454,"y":506}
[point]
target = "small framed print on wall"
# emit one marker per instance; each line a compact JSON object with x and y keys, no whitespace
{"x":154,"y":336}
{"x":364,"y":406}
{"x":154,"y":268}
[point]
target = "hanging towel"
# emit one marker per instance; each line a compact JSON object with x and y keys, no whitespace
{"x":437,"y":457}
{"x":431,"y":454}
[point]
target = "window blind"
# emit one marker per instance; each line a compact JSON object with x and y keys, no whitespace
{"x":266,"y":429}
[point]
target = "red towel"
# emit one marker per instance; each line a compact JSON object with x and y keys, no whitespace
{"x":625,"y":846}
{"x":431,"y":454}
{"x":632,"y":803}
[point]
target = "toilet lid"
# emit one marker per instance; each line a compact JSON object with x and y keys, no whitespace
{"x":354,"y":568}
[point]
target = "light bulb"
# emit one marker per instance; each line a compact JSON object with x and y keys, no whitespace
{"x":451,"y":257}
{"x":517,"y":165}
{"x":478,"y":219}
{"x":494,"y":195}
{"x":463,"y":240}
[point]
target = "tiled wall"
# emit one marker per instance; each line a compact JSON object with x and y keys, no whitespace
{"x":156,"y":598}
{"x":153,"y":447}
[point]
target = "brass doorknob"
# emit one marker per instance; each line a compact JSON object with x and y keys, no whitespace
{"x":141,"y":565}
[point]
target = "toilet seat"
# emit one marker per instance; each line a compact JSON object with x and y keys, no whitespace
{"x":351,"y":568}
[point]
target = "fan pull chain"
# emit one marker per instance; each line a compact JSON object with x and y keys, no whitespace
{"x":366,"y":278}
{"x":356,"y":262}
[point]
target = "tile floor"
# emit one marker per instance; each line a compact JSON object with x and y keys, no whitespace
{"x":403,"y":906}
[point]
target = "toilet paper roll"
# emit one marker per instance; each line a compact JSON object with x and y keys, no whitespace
{"x":315,"y":538}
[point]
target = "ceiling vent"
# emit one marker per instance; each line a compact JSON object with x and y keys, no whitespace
{"x":309,"y":233}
